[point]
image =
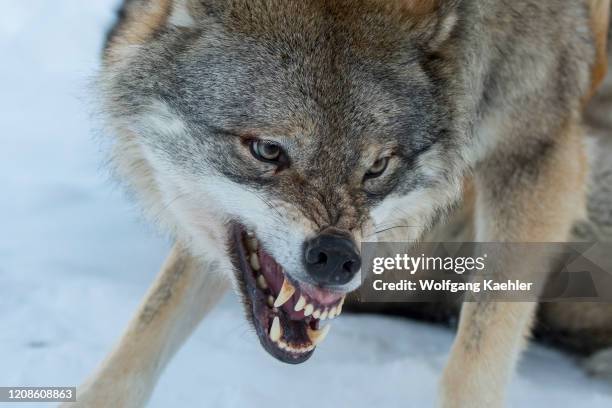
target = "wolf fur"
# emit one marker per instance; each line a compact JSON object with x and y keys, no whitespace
{"x":483,"y":93}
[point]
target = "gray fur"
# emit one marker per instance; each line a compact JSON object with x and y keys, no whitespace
{"x":330,"y":80}
{"x":446,"y":87}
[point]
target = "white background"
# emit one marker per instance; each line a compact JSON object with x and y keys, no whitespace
{"x":75,"y":261}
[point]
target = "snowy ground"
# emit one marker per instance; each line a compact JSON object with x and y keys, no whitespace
{"x":74,"y":262}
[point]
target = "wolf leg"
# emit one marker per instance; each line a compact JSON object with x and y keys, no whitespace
{"x":524,"y":194}
{"x":184,"y":292}
{"x":600,"y":364}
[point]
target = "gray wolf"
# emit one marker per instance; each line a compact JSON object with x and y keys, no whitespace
{"x":270,"y":137}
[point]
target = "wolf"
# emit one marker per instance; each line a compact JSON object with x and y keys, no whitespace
{"x":271,"y":137}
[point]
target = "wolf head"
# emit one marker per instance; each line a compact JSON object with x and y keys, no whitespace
{"x":274,"y":136}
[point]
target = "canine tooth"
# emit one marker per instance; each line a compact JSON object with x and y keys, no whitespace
{"x":316,"y":314}
{"x":285,"y":293}
{"x":275,"y":331}
{"x":255,"y":262}
{"x":332,"y":313}
{"x":252,"y":244}
{"x":317,"y":336}
{"x":308,"y":310}
{"x":300,"y":304}
{"x":340,"y":305}
{"x":324,"y":314}
{"x":271,"y":301}
{"x":261,"y":282}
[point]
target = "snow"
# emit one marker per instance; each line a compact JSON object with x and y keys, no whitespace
{"x":75,"y":260}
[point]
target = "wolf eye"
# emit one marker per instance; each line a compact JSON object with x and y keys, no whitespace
{"x":378,"y":168}
{"x":267,"y":151}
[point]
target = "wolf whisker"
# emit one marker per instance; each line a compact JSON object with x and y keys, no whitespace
{"x":166,"y":206}
{"x":391,"y":228}
{"x":270,"y":205}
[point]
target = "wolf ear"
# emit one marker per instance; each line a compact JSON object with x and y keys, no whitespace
{"x":434,"y":19}
{"x":420,"y":7}
{"x":139,"y":20}
{"x":186,"y":13}
{"x":181,"y":14}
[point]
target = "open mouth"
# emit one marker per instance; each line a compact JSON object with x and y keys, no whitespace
{"x":287,"y":315}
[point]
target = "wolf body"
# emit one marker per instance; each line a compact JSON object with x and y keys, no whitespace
{"x":270,"y":137}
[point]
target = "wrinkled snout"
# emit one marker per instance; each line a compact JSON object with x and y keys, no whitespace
{"x":332,"y":258}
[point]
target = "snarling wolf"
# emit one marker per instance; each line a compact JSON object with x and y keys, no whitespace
{"x":271,"y":137}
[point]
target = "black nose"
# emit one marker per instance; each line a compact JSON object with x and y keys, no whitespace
{"x":331,"y":258}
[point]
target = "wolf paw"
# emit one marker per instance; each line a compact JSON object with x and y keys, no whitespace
{"x":600,"y":364}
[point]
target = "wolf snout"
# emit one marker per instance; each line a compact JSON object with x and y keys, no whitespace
{"x":332,"y":258}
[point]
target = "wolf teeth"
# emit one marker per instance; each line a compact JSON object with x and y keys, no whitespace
{"x":271,"y":301}
{"x":340,"y":305}
{"x":252,"y":244}
{"x":294,"y":348}
{"x":261,"y":282}
{"x":276,"y":331}
{"x":285,"y":293}
{"x":317,"y":336}
{"x":308,"y":310}
{"x":300,"y":304}
{"x":255,"y":262}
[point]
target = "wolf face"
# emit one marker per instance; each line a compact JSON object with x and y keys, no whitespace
{"x":275,"y":136}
